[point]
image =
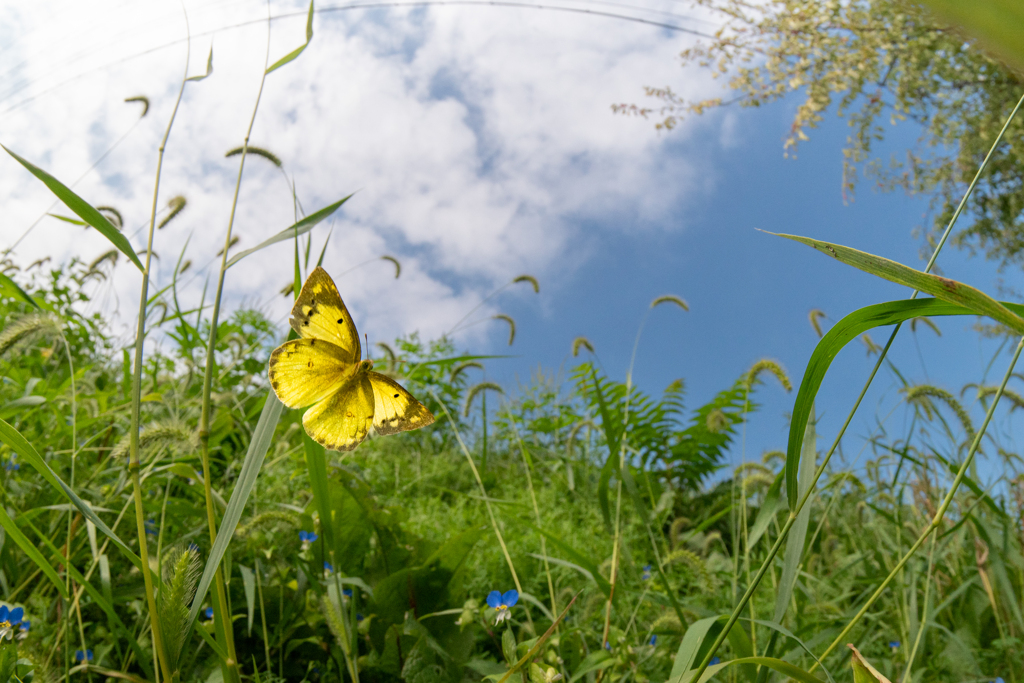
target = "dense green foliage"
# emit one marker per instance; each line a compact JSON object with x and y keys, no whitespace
{"x":411,"y":539}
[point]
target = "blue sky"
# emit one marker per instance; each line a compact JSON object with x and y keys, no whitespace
{"x":482,"y":145}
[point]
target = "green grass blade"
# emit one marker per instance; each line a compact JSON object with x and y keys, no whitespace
{"x":941,"y":288}
{"x":15,"y":533}
{"x":300,"y":228}
{"x":316,"y":464}
{"x":784,"y":668}
{"x":261,"y":437}
{"x":297,"y":51}
{"x":10,"y":288}
{"x":595,"y":661}
{"x":209,"y":68}
{"x":773,"y":502}
{"x":528,"y":657}
{"x":997,"y":24}
{"x":13,"y":438}
{"x":686,"y":655}
{"x":249,"y":583}
{"x":81,"y":207}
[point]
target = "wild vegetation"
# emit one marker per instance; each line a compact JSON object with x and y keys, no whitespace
{"x":163,"y":518}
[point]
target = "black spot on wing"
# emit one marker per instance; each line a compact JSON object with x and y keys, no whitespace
{"x":396,"y":395}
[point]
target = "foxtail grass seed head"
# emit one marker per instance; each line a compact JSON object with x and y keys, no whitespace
{"x":398,"y":266}
{"x":528,"y":278}
{"x":143,"y":100}
{"x":112,"y":215}
{"x":717,"y":421}
{"x":670,"y":299}
{"x":770,"y":366}
{"x":103,"y":258}
{"x":462,"y":367}
{"x":175,"y":205}
{"x":257,"y":151}
{"x":815,"y":317}
{"x":511,"y":326}
{"x":288,"y":290}
{"x":234,"y":240}
{"x":923,"y":396}
{"x":172,"y":434}
{"x":581,"y":343}
{"x":26,"y":329}
{"x":927,"y":322}
{"x":476,"y":389}
{"x":181,"y":571}
{"x":873,"y":348}
{"x":185,"y":266}
{"x":38,"y":263}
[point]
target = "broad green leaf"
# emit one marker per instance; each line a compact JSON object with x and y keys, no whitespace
{"x":30,"y":549}
{"x":773,"y":502}
{"x":258,"y":446}
{"x":316,"y":465}
{"x":997,"y":24}
{"x":10,"y":288}
{"x":209,"y":68}
{"x":863,"y":672}
{"x":81,"y":207}
{"x":13,"y":438}
{"x":297,"y":51}
{"x":300,"y":228}
{"x":941,"y":288}
{"x":508,"y":646}
{"x":845,"y":331}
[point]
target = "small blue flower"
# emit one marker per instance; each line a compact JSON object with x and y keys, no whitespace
{"x":653,"y":640}
{"x":11,"y":466}
{"x":999,"y":680}
{"x":328,"y":567}
{"x":894,"y":644}
{"x":208,"y":613}
{"x":194,"y":548}
{"x":307,"y":537}
{"x":607,"y":645}
{"x":502,"y":603}
{"x":83,"y":656}
{"x":347,"y":592}
{"x":151,"y":527}
{"x":647,"y":572}
{"x":359,"y":616}
{"x":25,"y":625}
{"x":714,"y":660}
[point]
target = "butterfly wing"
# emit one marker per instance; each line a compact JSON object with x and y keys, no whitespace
{"x":319,"y":313}
{"x":341,"y":421}
{"x":394,"y":408}
{"x":304,"y":371}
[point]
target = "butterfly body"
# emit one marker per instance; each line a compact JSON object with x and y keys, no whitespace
{"x":323,"y":368}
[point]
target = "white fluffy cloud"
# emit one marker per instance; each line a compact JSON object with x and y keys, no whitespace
{"x":479,"y":141}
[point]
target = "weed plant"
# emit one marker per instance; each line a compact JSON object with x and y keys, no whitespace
{"x":163,"y":518}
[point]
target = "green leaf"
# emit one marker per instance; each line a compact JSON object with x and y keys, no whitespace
{"x":33,"y":554}
{"x":316,"y":464}
{"x":863,"y":672}
{"x":996,"y":24}
{"x":845,"y":331}
{"x":81,"y":207}
{"x":297,"y":51}
{"x":686,"y":655}
{"x":249,"y":583}
{"x":941,"y":288}
{"x":529,"y":656}
{"x":258,"y":446}
{"x":773,"y":502}
{"x":209,"y":68}
{"x":300,"y":228}
{"x":10,"y":289}
{"x":595,"y":661}
{"x":785,"y":668}
{"x":13,"y":438}
{"x":508,"y":646}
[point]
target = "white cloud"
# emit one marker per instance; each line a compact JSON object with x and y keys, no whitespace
{"x":480,"y":140}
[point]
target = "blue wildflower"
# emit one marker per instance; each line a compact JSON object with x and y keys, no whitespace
{"x":714,"y":660}
{"x":83,"y":656}
{"x":194,"y":548}
{"x":9,"y":618}
{"x":607,"y":645}
{"x":25,"y":625}
{"x":653,"y":640}
{"x":151,"y":527}
{"x":647,"y":572}
{"x":894,"y":644}
{"x":359,"y":616}
{"x":328,"y":567}
{"x":999,"y":680}
{"x":11,"y":466}
{"x":347,"y":592}
{"x":307,"y":537}
{"x":502,"y":603}
{"x":208,"y":613}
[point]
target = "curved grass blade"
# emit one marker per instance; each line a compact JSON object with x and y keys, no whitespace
{"x":13,"y":438}
{"x":939,"y":287}
{"x":846,"y":330}
{"x":261,"y":437}
{"x":10,"y":288}
{"x":297,"y":51}
{"x":209,"y":68}
{"x":528,"y":657}
{"x":300,"y":228}
{"x":15,"y":533}
{"x":785,"y":668}
{"x":773,"y":502}
{"x":83,"y":208}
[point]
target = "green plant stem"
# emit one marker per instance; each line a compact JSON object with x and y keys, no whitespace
{"x":140,"y":338}
{"x":835,"y":444}
{"x":939,"y":514}
{"x":615,"y":568}
{"x":924,"y":611}
{"x":263,"y":614}
{"x":222,"y":619}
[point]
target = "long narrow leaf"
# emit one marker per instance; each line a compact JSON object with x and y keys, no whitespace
{"x":261,"y":437}
{"x":297,"y":51}
{"x":10,"y":288}
{"x":33,"y":554}
{"x":300,"y":228}
{"x":81,"y":207}
{"x":13,"y":438}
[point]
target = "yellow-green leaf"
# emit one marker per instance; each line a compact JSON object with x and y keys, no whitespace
{"x":863,"y":672}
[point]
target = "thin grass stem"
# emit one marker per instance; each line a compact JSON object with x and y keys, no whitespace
{"x":924,"y":611}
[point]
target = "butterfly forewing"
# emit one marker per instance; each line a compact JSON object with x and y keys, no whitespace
{"x":341,"y":421}
{"x":394,"y":408}
{"x":319,"y":313}
{"x":304,"y":371}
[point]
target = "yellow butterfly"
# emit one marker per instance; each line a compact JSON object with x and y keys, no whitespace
{"x":324,"y":368}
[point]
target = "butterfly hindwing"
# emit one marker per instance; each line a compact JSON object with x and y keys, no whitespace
{"x":319,"y":313}
{"x":341,"y":421}
{"x":304,"y":371}
{"x":394,"y":408}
